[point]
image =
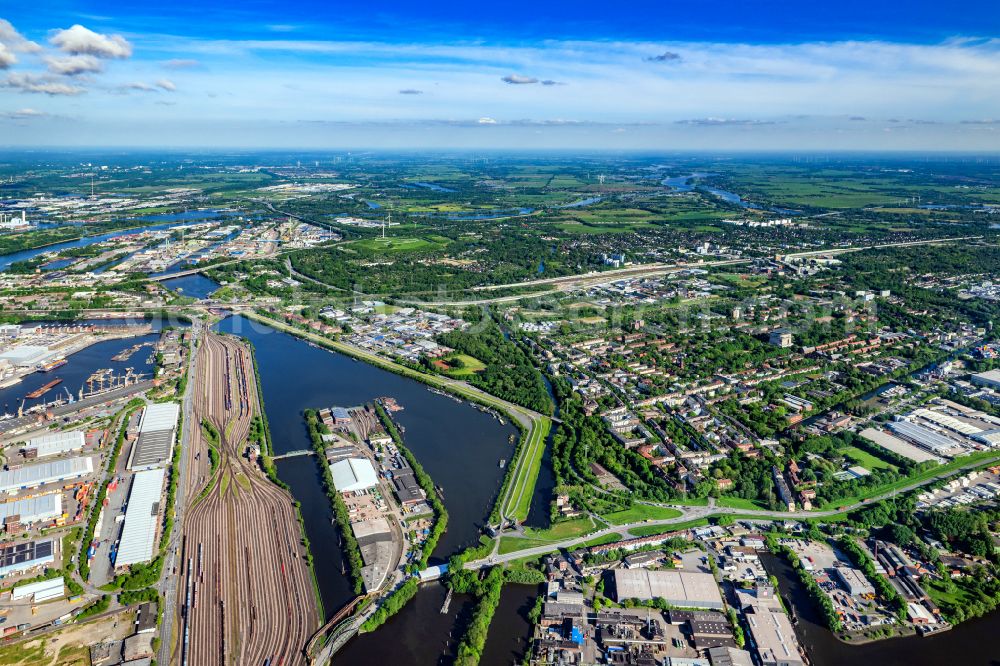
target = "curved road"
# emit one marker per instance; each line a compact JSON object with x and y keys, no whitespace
{"x":689,"y":513}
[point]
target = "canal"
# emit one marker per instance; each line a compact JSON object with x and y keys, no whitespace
{"x":971,"y":643}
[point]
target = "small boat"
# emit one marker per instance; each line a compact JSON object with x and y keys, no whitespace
{"x":503,"y":461}
{"x":440,"y":491}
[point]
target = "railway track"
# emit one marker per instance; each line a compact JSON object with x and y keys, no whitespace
{"x":250,"y":595}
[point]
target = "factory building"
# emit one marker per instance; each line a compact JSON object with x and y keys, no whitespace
{"x":25,"y":356}
{"x":30,"y":510}
{"x":686,"y":589}
{"x":990,"y":379}
{"x":771,"y":631}
{"x":156,"y":436}
{"x":925,"y":438}
{"x":40,"y":591}
{"x":32,"y":476}
{"x":54,"y":444}
{"x":142,"y":519}
{"x":353,"y":474}
{"x":16,"y":558}
{"x":854,"y":582}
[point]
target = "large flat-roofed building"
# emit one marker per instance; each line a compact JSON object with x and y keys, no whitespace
{"x":854,"y":582}
{"x":685,"y":589}
{"x":54,"y":444}
{"x":770,"y":629}
{"x":142,"y":518}
{"x":17,"y":558}
{"x":925,"y":438}
{"x":32,"y":476}
{"x":25,"y":356}
{"x":43,"y":590}
{"x":156,"y":436}
{"x":989,"y":379}
{"x":32,"y":509}
{"x":353,"y":474}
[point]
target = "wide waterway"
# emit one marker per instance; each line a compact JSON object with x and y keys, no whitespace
{"x":78,"y":368}
{"x":971,"y":643}
{"x":458,"y":445}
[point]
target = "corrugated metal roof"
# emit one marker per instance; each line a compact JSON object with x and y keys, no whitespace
{"x":160,"y":416}
{"x":30,"y":476}
{"x":56,"y":443}
{"x":141,"y":518}
{"x":40,"y":507}
{"x":353,"y":474}
{"x":42,"y":587}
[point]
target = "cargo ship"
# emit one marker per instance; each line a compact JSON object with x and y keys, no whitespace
{"x":39,"y":392}
{"x":49,"y":366}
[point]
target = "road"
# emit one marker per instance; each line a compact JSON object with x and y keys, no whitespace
{"x":689,"y":513}
{"x":245,"y":592}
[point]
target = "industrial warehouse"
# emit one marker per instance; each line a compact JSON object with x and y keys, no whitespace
{"x":32,"y":476}
{"x":30,"y":510}
{"x":684,"y":589}
{"x":142,"y":519}
{"x":156,"y":436}
{"x":18,"y":558}
{"x":54,"y":444}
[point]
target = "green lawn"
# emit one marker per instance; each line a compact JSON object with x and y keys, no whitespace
{"x":647,"y":530}
{"x":523,"y":485}
{"x":740,"y":503}
{"x":566,"y":529}
{"x":640,"y":512}
{"x":865,"y":459}
{"x":471,"y":365}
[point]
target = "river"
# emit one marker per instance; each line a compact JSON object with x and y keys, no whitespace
{"x":971,"y":643}
{"x":162,"y":221}
{"x":458,"y":445}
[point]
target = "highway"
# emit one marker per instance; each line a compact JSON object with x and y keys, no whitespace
{"x":245,"y":594}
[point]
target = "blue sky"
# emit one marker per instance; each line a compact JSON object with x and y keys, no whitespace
{"x":637,"y":75}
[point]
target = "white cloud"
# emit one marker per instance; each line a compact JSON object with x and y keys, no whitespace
{"x":73,"y":65}
{"x":78,"y":40}
{"x":136,"y":85}
{"x":486,"y":121}
{"x":24,"y":114}
{"x":166,"y":84}
{"x":7,"y":57}
{"x":519,"y":79}
{"x":15,"y":41}
{"x":46,"y":85}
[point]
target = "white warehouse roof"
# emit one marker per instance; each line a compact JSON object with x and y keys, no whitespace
{"x":56,"y":443}
{"x":33,"y":509}
{"x":25,"y":355}
{"x":31,"y":476}
{"x":353,"y":474}
{"x":141,"y":518}
{"x":42,"y":590}
{"x":160,"y":416}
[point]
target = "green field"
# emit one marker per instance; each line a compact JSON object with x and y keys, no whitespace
{"x":865,"y":459}
{"x":398,"y":244}
{"x":518,"y":500}
{"x":639,"y":512}
{"x":471,"y":365}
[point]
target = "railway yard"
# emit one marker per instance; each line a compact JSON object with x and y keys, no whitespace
{"x":245,"y":593}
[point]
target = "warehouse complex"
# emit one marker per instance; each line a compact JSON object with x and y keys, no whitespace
{"x":683,"y":589}
{"x":142,"y":518}
{"x":156,"y":436}
{"x":32,"y":476}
